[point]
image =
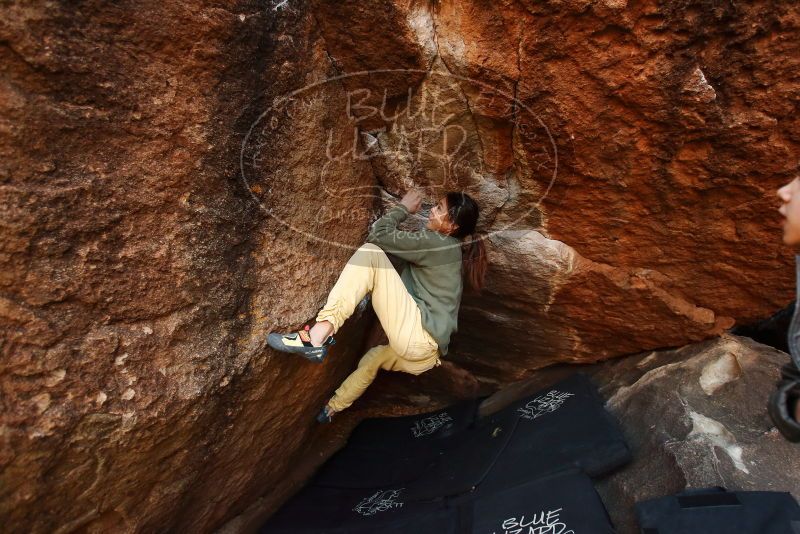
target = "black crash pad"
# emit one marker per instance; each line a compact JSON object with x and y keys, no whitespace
{"x":716,"y":511}
{"x":562,"y":426}
{"x":449,"y":471}
{"x":351,"y":468}
{"x":470,"y":459}
{"x":561,"y":503}
{"x":344,"y":511}
{"x":402,"y":434}
{"x":444,"y":466}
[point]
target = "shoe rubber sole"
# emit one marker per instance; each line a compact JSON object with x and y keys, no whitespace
{"x":323,"y":417}
{"x":314,"y":354}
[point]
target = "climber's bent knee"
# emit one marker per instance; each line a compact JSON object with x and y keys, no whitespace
{"x":370,"y":254}
{"x":370,"y":246}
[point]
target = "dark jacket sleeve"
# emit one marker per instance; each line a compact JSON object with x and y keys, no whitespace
{"x":410,"y":246}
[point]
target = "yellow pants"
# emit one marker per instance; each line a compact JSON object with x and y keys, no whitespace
{"x":411,"y":348}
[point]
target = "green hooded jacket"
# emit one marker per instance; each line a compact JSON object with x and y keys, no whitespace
{"x":431,"y":271}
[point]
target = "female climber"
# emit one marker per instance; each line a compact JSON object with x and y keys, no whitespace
{"x":418,"y":309}
{"x":784,"y":403}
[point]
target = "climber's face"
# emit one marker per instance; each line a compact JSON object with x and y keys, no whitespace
{"x":439,"y":220}
{"x":790,"y":209}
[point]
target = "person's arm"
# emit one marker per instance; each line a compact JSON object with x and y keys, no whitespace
{"x":409,"y":246}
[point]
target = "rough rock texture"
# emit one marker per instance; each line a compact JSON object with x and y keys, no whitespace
{"x":139,"y":277}
{"x":178,"y":179}
{"x":674,"y":123}
{"x":625,"y":157}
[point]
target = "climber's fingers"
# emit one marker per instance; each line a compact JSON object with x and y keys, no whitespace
{"x":412,"y":200}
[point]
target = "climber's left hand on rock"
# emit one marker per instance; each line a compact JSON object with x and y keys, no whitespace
{"x":412,"y":200}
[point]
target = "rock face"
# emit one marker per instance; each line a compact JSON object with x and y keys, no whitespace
{"x":625,"y":158}
{"x":696,"y":417}
{"x":178,"y":180}
{"x":672,"y":129}
{"x":139,"y":277}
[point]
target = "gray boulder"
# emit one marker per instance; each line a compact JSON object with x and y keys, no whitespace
{"x":696,"y":417}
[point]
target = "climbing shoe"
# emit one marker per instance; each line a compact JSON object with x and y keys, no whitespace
{"x":324,"y":416}
{"x":781,"y":408}
{"x":300,"y":343}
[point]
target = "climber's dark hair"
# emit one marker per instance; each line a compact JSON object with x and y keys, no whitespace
{"x":463,"y":211}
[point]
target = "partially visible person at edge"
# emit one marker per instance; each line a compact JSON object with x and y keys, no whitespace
{"x":418,"y":309}
{"x":783,"y":406}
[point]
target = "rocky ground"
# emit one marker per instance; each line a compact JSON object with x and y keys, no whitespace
{"x":694,"y":417}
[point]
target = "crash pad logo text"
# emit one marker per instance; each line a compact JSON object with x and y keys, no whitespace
{"x":429,"y":425}
{"x":542,"y":523}
{"x":380,"y":501}
{"x":547,"y":403}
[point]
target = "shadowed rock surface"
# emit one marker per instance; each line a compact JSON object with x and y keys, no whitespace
{"x":178,"y":180}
